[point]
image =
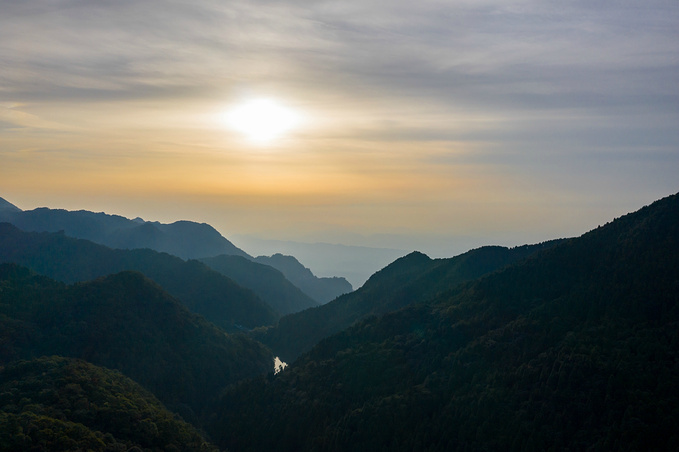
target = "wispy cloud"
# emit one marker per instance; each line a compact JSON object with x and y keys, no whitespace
{"x":517,"y":90}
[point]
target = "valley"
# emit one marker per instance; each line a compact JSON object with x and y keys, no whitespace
{"x":568,"y":344}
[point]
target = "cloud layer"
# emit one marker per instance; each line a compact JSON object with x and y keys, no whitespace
{"x":434,"y":110}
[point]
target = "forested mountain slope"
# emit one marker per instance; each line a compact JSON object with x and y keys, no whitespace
{"x":186,"y":239}
{"x":410,"y":279}
{"x":573,"y":349}
{"x":124,"y":322}
{"x":267,"y":282}
{"x":66,"y":404}
{"x":201,"y":289}
{"x":321,"y":289}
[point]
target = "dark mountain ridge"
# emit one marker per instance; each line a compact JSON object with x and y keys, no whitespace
{"x":201,"y":289}
{"x":186,"y":239}
{"x":265,"y":281}
{"x":573,"y":348}
{"x":410,"y":279}
{"x":321,"y":289}
{"x":125,"y":322}
{"x":67,"y":404}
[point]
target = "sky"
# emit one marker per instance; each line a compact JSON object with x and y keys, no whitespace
{"x":430,"y":125}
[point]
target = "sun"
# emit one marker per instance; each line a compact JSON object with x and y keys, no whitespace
{"x":262,"y":120}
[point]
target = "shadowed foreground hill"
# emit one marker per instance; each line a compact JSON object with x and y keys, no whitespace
{"x":124,"y":322}
{"x":201,"y":289}
{"x":410,"y":279}
{"x":574,"y":349}
{"x":186,"y":239}
{"x":267,"y":282}
{"x":66,"y":404}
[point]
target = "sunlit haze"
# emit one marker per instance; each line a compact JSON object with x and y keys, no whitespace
{"x":432,"y":125}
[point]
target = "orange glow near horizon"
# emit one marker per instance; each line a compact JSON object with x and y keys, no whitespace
{"x":295,"y":118}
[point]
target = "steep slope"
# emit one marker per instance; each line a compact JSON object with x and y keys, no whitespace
{"x":201,"y":289}
{"x":265,"y":281}
{"x":66,"y":404}
{"x":6,"y":206}
{"x":186,"y":239}
{"x":320,"y":289}
{"x":573,"y":349}
{"x":124,"y":322}
{"x":410,"y":279}
{"x":355,"y":263}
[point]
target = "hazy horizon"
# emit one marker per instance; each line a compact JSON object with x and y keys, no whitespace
{"x":432,"y":126}
{"x":359,"y":257}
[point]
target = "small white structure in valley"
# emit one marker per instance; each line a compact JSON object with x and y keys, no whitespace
{"x":278,"y":365}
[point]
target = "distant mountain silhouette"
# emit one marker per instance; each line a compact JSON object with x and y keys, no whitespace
{"x":67,"y":404}
{"x":267,"y":282}
{"x":410,"y":279}
{"x":6,"y":206}
{"x":320,"y":289}
{"x":125,"y":322}
{"x":573,"y":348}
{"x":201,"y":289}
{"x":186,"y":239}
{"x":355,"y":263}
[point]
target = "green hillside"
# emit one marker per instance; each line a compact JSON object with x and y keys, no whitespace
{"x":60,"y":404}
{"x":410,"y":279}
{"x":265,"y":281}
{"x":321,"y":289}
{"x":202,"y":290}
{"x":125,"y":322}
{"x":575,"y":348}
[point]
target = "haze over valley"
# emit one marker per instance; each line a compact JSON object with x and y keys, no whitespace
{"x":250,"y":226}
{"x":419,"y":357}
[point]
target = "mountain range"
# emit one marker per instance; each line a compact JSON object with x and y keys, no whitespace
{"x":354,"y":262}
{"x":570,"y":344}
{"x":321,"y":289}
{"x":185,"y":239}
{"x":201,"y":289}
{"x":408,"y":280}
{"x":267,"y":282}
{"x":126,"y":322}
{"x":573,"y":348}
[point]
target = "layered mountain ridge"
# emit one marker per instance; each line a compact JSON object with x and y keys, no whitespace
{"x":125,"y":322}
{"x":570,"y":344}
{"x":266,"y":281}
{"x":411,"y":279}
{"x":185,"y":239}
{"x":199,"y":288}
{"x":572,"y":348}
{"x":323,"y":289}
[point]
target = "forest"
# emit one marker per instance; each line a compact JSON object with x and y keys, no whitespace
{"x":571,"y":344}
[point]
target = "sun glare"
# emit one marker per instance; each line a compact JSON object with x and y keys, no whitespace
{"x":262,"y":120}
